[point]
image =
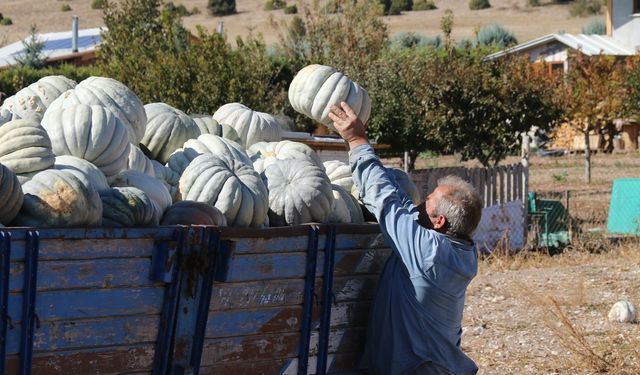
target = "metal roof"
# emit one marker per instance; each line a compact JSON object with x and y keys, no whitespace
{"x":589,"y":45}
{"x":56,"y":45}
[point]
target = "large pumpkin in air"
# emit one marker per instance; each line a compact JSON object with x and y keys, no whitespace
{"x":167,"y":130}
{"x":92,"y":133}
{"x":57,"y":198}
{"x":251,"y":126}
{"x":228,"y":184}
{"x":299,"y":192}
{"x":317,"y":87}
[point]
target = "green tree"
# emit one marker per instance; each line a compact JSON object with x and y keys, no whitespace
{"x":32,"y":56}
{"x":221,"y":7}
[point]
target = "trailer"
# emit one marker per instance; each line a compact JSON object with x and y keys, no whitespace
{"x":187,"y":299}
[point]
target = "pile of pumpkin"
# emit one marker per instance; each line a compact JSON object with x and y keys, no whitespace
{"x":91,"y":154}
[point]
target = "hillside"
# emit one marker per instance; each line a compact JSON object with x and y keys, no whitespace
{"x":526,"y":22}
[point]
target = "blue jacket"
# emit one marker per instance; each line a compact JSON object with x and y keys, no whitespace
{"x":417,"y":312}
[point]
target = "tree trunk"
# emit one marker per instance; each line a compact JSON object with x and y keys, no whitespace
{"x":587,"y":158}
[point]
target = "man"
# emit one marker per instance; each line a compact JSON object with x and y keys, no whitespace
{"x":416,"y":318}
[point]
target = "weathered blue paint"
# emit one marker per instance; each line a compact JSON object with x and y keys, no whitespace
{"x":162,"y":262}
{"x":29,"y":302}
{"x":266,"y":267}
{"x":307,"y":308}
{"x":5,"y":258}
{"x":327,"y":301}
{"x":249,"y":322}
{"x":164,"y":345}
{"x":223,"y":257}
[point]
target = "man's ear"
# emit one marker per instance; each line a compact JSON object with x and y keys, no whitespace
{"x":440,"y":222}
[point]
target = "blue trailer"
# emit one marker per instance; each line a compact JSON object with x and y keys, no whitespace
{"x":187,"y":299}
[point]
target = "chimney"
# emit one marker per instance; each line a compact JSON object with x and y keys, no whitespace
{"x":220,"y":27}
{"x":74,"y":34}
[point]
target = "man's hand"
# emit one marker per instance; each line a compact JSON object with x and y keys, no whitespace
{"x":348,"y":125}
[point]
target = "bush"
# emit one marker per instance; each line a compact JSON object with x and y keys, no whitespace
{"x":595,"y":26}
{"x":291,"y":9}
{"x":424,"y":5}
{"x":584,"y":8}
{"x":179,"y":10}
{"x":395,"y":7}
{"x":195,"y":10}
{"x":14,"y":78}
{"x":410,"y":40}
{"x":65,"y":7}
{"x":6,"y":21}
{"x":97,"y":4}
{"x":274,"y":4}
{"x":533,"y":3}
{"x":496,"y":35}
{"x":479,"y":4}
{"x":221,"y":7}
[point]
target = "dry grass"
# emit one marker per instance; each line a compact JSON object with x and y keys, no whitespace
{"x":526,"y":22}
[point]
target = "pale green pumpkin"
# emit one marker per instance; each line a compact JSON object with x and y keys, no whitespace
{"x":128,"y":207}
{"x":251,"y":126}
{"x":11,"y":193}
{"x":167,"y":130}
{"x":265,"y":153}
{"x":25,"y":148}
{"x":206,"y":144}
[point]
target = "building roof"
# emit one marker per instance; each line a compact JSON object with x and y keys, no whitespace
{"x":588,"y":44}
{"x":56,"y":45}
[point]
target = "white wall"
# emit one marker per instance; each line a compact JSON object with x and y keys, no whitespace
{"x":626,"y":26}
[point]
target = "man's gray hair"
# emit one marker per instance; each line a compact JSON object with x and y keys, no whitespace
{"x":460,"y":204}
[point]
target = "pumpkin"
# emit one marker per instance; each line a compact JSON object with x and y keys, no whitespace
{"x":230,"y":185}
{"x":138,"y":161}
{"x":206,"y":144}
{"x":169,"y":178}
{"x":84,"y":170}
{"x":25,"y":148}
{"x":299,"y":192}
{"x":251,"y":126}
{"x":57,"y":198}
{"x":11,"y":193}
{"x":6,"y":114}
{"x":264,"y":153}
{"x":623,"y":311}
{"x":317,"y":87}
{"x":167,"y":130}
{"x":193,"y":213}
{"x":112,"y":94}
{"x":345,"y":208}
{"x":128,"y":207}
{"x":339,"y":173}
{"x":154,"y":188}
{"x":92,"y":133}
{"x":406,"y":184}
{"x":208,"y":125}
{"x":32,"y":101}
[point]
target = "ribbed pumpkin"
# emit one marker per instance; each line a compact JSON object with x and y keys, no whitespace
{"x":265,"y":153}
{"x":128,"y":207}
{"x":206,"y":144}
{"x":25,"y":148}
{"x":84,"y":170}
{"x":193,"y":213}
{"x":11,"y":193}
{"x":112,"y":94}
{"x":92,"y":133}
{"x":138,"y":161}
{"x":251,"y":126}
{"x":153,"y":187}
{"x":32,"y":101}
{"x":170,"y":178}
{"x":208,"y":125}
{"x":339,"y":173}
{"x":317,"y":87}
{"x":57,"y":198}
{"x":228,"y":184}
{"x":167,"y":130}
{"x":345,"y":208}
{"x":407,"y":185}
{"x":299,"y":192}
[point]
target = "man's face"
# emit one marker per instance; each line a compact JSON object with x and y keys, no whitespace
{"x":431,"y":220}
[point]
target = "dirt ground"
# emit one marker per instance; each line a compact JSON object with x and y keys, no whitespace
{"x":526,"y":22}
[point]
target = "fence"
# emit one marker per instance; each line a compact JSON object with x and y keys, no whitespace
{"x":504,"y":190}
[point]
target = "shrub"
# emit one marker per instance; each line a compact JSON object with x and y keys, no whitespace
{"x":291,"y":9}
{"x":409,"y":40}
{"x":479,"y":4}
{"x":496,"y":35}
{"x":274,"y":4}
{"x":584,"y":8}
{"x":533,"y":3}
{"x":595,"y":26}
{"x":16,"y":77}
{"x":395,"y":7}
{"x":97,"y":4}
{"x":6,"y":21}
{"x":195,"y":10}
{"x":65,"y":7}
{"x":221,"y":7}
{"x":424,"y":5}
{"x":179,"y":10}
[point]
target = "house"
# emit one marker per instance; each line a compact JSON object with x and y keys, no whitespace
{"x":622,"y":39}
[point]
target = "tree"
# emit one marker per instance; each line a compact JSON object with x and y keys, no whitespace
{"x":221,"y":7}
{"x":593,"y":96}
{"x":32,"y":56}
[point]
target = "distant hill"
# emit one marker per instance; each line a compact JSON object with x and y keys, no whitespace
{"x":526,"y":22}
